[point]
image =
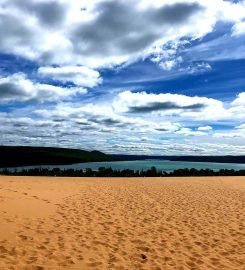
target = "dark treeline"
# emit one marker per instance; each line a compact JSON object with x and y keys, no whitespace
{"x":109,"y":172}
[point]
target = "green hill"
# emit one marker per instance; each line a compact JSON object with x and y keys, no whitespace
{"x":13,"y":156}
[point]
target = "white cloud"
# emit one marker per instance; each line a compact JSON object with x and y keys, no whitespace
{"x":74,"y":128}
{"x":205,"y":128}
{"x":103,"y":117}
{"x":105,"y":33}
{"x":240,"y":100}
{"x":197,"y":68}
{"x":170,"y":64}
{"x":79,"y":75}
{"x":239,"y":29}
{"x":196,"y":108}
{"x":72,"y":125}
{"x":190,"y":132}
{"x":181,"y":108}
{"x":237,"y":108}
{"x":18,"y":87}
{"x":242,"y":126}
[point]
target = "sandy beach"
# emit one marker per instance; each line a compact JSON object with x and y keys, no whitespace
{"x":177,"y":223}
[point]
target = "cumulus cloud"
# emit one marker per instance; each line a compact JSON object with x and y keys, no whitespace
{"x":238,"y":106}
{"x":73,"y":126}
{"x":176,"y":107}
{"x":104,"y":33}
{"x":239,"y":29}
{"x":79,"y":75}
{"x":71,"y":132}
{"x":119,"y":34}
{"x":168,"y":104}
{"x":18,"y":87}
{"x":240,"y":100}
{"x":127,"y":126}
{"x":104,"y":119}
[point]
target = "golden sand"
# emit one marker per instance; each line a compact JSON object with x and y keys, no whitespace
{"x":65,"y":223}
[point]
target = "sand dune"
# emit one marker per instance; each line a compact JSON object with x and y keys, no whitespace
{"x":185,"y":223}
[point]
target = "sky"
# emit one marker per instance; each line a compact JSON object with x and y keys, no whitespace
{"x":152,"y":77}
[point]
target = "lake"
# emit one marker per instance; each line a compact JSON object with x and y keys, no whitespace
{"x":164,"y":165}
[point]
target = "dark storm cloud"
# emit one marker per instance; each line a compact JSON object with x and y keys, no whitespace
{"x":164,"y":106}
{"x":119,"y":28}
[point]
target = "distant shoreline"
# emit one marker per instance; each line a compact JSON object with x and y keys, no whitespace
{"x":202,"y":159}
{"x":17,"y":156}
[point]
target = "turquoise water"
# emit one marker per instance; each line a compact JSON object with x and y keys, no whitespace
{"x":164,"y":165}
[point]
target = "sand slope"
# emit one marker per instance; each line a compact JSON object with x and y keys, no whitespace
{"x":185,"y":223}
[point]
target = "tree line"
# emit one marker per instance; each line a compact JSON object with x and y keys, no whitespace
{"x":109,"y":172}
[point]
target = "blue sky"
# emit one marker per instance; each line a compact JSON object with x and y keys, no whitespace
{"x":133,"y":77}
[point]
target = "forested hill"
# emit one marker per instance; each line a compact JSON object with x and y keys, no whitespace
{"x":215,"y":159}
{"x":13,"y":156}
